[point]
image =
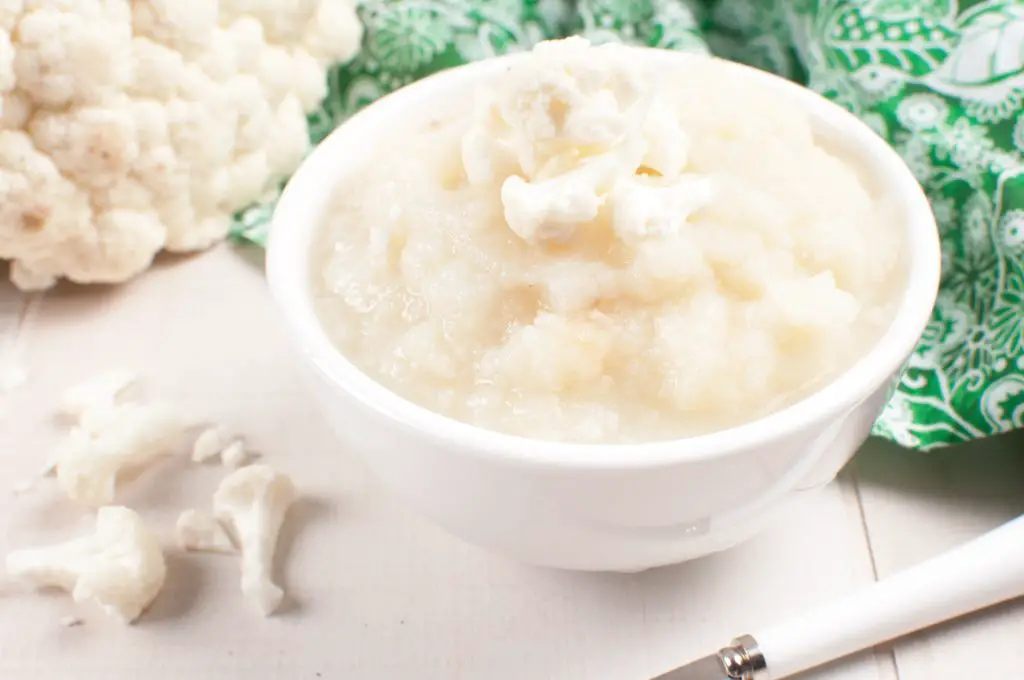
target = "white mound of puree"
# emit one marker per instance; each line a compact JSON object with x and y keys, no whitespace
{"x":589,"y":250}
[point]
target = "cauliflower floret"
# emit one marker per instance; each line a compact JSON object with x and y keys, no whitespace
{"x":572,"y":93}
{"x":186,"y":27}
{"x":253,"y":501}
{"x":331,"y":34}
{"x":128,"y":437}
{"x":94,"y":146}
{"x":120,"y":566}
{"x":38,"y":205}
{"x":65,"y":55}
{"x":90,"y":402}
{"x":90,"y":405}
{"x":567,"y":97}
{"x":127,"y":128}
{"x":323,"y":28}
{"x":198,"y":531}
{"x":567,"y":132}
{"x":645,"y":206}
{"x":550,"y":210}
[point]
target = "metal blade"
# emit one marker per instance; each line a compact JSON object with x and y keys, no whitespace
{"x":708,"y":668}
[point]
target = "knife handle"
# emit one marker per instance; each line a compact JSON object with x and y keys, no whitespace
{"x":978,"y":574}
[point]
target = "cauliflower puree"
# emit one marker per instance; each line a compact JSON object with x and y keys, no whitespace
{"x":592,"y":251}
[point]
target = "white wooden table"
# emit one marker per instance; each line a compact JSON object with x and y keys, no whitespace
{"x":375,"y":594}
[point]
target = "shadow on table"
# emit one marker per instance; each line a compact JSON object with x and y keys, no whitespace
{"x":988,"y":469}
{"x":252,"y":255}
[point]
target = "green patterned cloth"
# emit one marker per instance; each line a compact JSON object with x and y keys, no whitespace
{"x":942,"y":80}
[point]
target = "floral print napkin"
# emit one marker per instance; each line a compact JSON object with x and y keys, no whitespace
{"x":941,"y":80}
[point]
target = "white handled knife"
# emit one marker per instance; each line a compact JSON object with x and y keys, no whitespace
{"x":978,"y":574}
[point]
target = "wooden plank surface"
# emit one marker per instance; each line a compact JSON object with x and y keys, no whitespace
{"x":377,"y":594}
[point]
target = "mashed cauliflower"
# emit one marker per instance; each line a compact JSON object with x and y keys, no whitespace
{"x":597,"y":252}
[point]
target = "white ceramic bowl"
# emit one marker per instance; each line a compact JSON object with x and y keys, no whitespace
{"x":592,"y":507}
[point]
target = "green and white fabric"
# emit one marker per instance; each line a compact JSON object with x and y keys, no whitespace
{"x":941,"y":80}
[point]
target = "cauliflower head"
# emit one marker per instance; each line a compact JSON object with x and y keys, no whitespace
{"x":132,"y":126}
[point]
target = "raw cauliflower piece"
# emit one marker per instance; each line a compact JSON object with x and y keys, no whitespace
{"x":120,"y":566}
{"x":253,"y":501}
{"x":89,"y":405}
{"x":131,"y":127}
{"x":196,"y":530}
{"x":129,"y":437}
{"x":236,"y":455}
{"x":87,"y":401}
{"x":218,"y":442}
{"x":210,"y":443}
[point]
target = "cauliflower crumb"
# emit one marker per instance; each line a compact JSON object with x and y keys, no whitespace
{"x":218,"y":442}
{"x":253,"y":501}
{"x":128,"y":128}
{"x":236,"y":455}
{"x":210,"y":443}
{"x":120,"y":566}
{"x":200,"y":532}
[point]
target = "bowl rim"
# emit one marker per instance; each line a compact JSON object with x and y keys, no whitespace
{"x":298,"y":214}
